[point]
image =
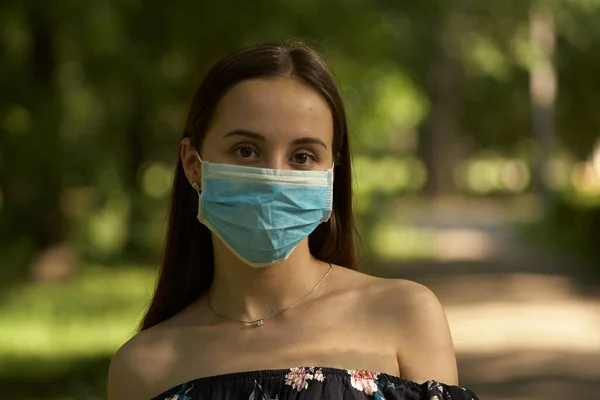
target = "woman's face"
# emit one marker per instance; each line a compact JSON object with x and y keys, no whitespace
{"x":278,"y":123}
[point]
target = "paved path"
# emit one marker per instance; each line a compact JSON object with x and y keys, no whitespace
{"x":525,"y":322}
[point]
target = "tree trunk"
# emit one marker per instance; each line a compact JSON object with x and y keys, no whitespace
{"x":33,"y":221}
{"x":543,"y":88}
{"x":135,"y":143}
{"x":438,"y":138}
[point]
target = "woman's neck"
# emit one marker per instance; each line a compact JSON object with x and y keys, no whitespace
{"x":245,"y":293}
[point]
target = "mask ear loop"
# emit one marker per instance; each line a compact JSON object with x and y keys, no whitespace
{"x":332,"y":172}
{"x":195,"y":185}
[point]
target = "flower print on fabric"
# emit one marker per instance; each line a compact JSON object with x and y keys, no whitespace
{"x":363,"y":380}
{"x":182,"y":394}
{"x":319,"y":375}
{"x":298,"y":378}
{"x":313,"y":383}
{"x":259,"y":394}
{"x":436,"y":391}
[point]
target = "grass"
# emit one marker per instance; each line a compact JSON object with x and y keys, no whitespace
{"x":56,"y":340}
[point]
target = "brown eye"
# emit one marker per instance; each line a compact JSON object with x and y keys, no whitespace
{"x":304,"y":158}
{"x":301,"y":158}
{"x":245,"y":152}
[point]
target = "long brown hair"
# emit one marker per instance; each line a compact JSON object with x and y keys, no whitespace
{"x":187,"y":267}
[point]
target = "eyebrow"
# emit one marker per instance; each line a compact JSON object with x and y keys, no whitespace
{"x":258,"y":136}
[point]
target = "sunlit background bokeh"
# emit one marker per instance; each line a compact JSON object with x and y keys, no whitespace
{"x":476,"y":138}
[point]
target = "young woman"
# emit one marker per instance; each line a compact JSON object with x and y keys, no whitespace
{"x":258,"y":295}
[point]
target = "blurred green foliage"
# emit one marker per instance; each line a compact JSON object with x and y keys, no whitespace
{"x":93,"y":98}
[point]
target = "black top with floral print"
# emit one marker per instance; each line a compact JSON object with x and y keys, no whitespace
{"x":313,"y":383}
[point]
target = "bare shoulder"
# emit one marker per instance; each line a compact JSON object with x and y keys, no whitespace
{"x":139,"y":366}
{"x":424,"y":345}
{"x":413,"y":321}
{"x":399,"y":296}
{"x":410,"y":298}
{"x":406,"y":306}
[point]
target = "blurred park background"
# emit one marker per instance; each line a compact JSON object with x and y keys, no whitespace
{"x":475,"y":127}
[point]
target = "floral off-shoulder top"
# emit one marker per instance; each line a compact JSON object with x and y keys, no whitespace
{"x":312,"y":383}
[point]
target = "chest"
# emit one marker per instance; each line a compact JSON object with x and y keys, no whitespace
{"x":345,"y":343}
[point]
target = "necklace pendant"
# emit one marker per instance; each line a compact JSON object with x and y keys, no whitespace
{"x":259,"y":322}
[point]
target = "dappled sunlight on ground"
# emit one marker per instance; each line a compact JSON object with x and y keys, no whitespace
{"x":525,"y":319}
{"x":462,"y":244}
{"x":90,"y":314}
{"x":517,"y":334}
{"x":511,"y":326}
{"x":451,"y":229}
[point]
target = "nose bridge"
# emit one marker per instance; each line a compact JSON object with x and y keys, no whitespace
{"x":276,"y":159}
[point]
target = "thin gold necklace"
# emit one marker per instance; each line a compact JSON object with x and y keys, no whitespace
{"x":261,"y":321}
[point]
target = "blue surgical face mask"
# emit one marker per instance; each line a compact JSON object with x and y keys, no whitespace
{"x":262,"y":214}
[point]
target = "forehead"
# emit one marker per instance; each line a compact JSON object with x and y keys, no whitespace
{"x":278,"y":108}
